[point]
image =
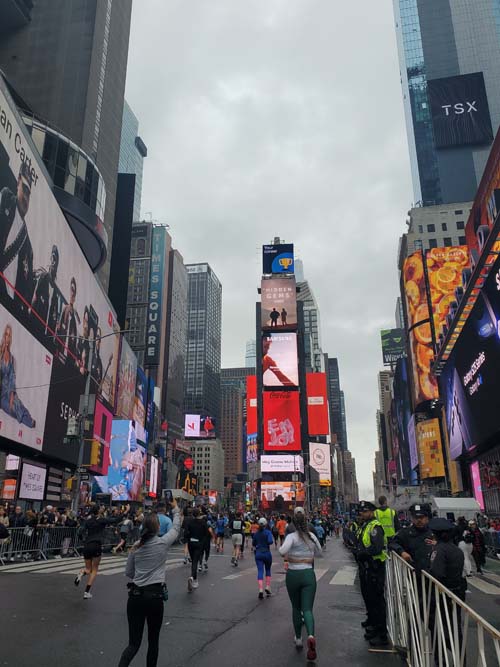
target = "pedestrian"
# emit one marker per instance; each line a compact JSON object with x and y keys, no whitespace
{"x":478,"y":546}
{"x":188,"y":516}
{"x":274,"y":530}
{"x":414,"y":543}
{"x":163,"y":518}
{"x":371,"y":556}
{"x":465,"y":545}
{"x":220,"y":527}
{"x":387,"y":517}
{"x":95,"y":526}
{"x":237,"y":529}
{"x":203,"y":564}
{"x":299,"y":549}
{"x":262,"y":541}
{"x":125,"y":527}
{"x":281,"y":525}
{"x":147,"y":591}
{"x":196,"y":534}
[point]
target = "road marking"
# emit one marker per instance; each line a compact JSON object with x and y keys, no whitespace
{"x":230,"y":577}
{"x":491,"y":575}
{"x":345,"y":576}
{"x":484,"y":586}
{"x":112,"y":564}
{"x":320,"y":573}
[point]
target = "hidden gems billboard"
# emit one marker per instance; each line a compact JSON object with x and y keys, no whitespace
{"x":278,"y":303}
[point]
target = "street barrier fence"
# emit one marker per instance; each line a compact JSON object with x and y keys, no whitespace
{"x":431,"y":626}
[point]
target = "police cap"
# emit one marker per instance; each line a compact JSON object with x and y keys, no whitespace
{"x":438,"y":525}
{"x":366,"y":505}
{"x":422,"y":509}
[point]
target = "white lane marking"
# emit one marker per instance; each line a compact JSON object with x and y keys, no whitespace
{"x":252,"y":570}
{"x":491,"y":575}
{"x":320,"y":573}
{"x":484,"y":586}
{"x":116,"y":564}
{"x":345,"y":576}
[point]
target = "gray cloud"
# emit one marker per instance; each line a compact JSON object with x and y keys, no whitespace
{"x":281,"y":117}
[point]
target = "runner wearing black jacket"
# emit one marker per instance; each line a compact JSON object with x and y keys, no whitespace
{"x":197,"y":534}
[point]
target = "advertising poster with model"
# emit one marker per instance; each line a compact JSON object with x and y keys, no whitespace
{"x":279,"y":360}
{"x":278,"y":303}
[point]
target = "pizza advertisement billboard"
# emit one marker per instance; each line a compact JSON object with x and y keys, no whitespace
{"x":281,"y":421}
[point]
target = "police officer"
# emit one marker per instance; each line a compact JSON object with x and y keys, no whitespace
{"x":387,"y":517}
{"x":371,"y":556}
{"x":414,"y":543}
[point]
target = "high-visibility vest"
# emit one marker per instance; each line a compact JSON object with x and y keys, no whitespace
{"x":387,"y":520}
{"x":366,"y":539}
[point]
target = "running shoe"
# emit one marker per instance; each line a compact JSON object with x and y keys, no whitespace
{"x":200,"y":567}
{"x":311,"y":648}
{"x":268,"y":592}
{"x":205,"y":566}
{"x":261,"y":595}
{"x":87,"y":596}
{"x":78,"y":578}
{"x":379,"y":641}
{"x":190,"y":584}
{"x":195,"y":583}
{"x":185,"y":561}
{"x":298,"y":643}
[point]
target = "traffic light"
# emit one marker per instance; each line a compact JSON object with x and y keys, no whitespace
{"x":95,"y":453}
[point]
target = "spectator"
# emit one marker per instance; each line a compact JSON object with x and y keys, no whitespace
{"x":478,"y":546}
{"x":163,"y":518}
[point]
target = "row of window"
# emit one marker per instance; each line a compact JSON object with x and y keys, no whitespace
{"x":436,"y":243}
{"x":431,"y":228}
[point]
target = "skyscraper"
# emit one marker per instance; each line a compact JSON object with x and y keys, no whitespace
{"x":449,"y":54}
{"x":232,"y":417}
{"x":337,"y":421}
{"x":203,"y":358}
{"x":69,"y":63}
{"x":133,"y":150}
{"x":312,"y":333}
{"x":250,"y":354}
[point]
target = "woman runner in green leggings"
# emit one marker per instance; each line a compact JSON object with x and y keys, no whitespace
{"x":299,"y":549}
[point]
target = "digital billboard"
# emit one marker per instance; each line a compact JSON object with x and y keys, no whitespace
{"x":155,"y":305}
{"x":127,"y":371}
{"x":393,"y":345}
{"x":278,"y":303}
{"x":199,"y":426}
{"x":48,"y":285}
{"x":140,"y":403}
{"x":25,"y":371}
{"x":251,"y":401}
{"x":290,"y":491}
{"x":187,"y":481}
{"x":420,"y":333}
{"x":430,"y":449}
{"x":252,"y":448}
{"x":32,"y":484}
{"x":444,"y":274}
{"x":281,"y":421}
{"x":459,"y":110}
{"x":127,"y":466}
{"x":279,"y":360}
{"x":403,"y":453}
{"x":320,"y":460}
{"x":282,"y":463}
{"x":318,"y":422}
{"x":277,"y":258}
{"x":476,"y":484}
{"x":103,"y":422}
{"x":153,"y":477}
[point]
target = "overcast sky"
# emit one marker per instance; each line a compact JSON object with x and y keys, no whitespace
{"x":282,"y":118}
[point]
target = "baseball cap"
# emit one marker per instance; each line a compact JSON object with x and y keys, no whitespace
{"x":299,"y":510}
{"x":262,"y":521}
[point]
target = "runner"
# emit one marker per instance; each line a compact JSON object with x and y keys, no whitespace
{"x":236,"y":537}
{"x":208,"y":541}
{"x":300,"y":548}
{"x":95,"y":525}
{"x":219,"y":531}
{"x":125,"y":528}
{"x":281,"y":526}
{"x":261,"y":541}
{"x":147,"y":592}
{"x":197,"y":534}
{"x":247,"y":535}
{"x":188,"y":515}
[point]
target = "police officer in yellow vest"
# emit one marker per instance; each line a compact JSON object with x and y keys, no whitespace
{"x":371,"y":555}
{"x":388,"y":518}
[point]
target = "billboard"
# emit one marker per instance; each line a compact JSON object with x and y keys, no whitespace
{"x":127,"y":467}
{"x":290,"y":491}
{"x":25,"y":371}
{"x":317,"y":404}
{"x":127,"y":371}
{"x":103,"y":422}
{"x":279,"y":360}
{"x":153,"y":477}
{"x":320,"y":460}
{"x":48,"y":285}
{"x":444,"y":274}
{"x":430,"y":449}
{"x":199,"y":426}
{"x":252,"y":448}
{"x":251,"y":403}
{"x":393,"y":345}
{"x":420,"y":332}
{"x":281,"y":421}
{"x":278,"y":303}
{"x":282,"y":463}
{"x":277,"y":258}
{"x":154,"y":317}
{"x":476,"y":483}
{"x":140,"y":403}
{"x":187,"y":481}
{"x":412,"y":441}
{"x":403,"y":447}
{"x":459,"y":110}
{"x":32,"y":484}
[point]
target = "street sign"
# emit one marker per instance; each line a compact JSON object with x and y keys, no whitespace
{"x":81,"y":470}
{"x":84,"y":477}
{"x":295,"y":478}
{"x":73,"y":429}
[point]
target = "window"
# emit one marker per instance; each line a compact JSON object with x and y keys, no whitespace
{"x":460,"y":224}
{"x":447,"y":241}
{"x":459,"y":212}
{"x":433,"y":243}
{"x":420,"y":229}
{"x":444,"y":226}
{"x":431,"y":228}
{"x":461,"y":240}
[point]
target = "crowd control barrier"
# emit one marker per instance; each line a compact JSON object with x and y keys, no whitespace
{"x":431,"y":626}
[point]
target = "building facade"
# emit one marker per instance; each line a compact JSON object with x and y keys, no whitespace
{"x":250,"y":354}
{"x":437,"y":41}
{"x":208,"y":459}
{"x":232,"y":419}
{"x":203,"y":357}
{"x":335,"y":401}
{"x":312,"y":330}
{"x":69,"y":63}
{"x":133,"y":150}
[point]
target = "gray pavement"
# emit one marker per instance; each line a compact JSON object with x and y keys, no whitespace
{"x":222,"y":623}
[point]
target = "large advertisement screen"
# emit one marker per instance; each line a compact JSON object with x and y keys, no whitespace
{"x":48,"y":286}
{"x":25,"y":371}
{"x":252,"y":452}
{"x":278,"y":303}
{"x":282,"y":463}
{"x":277,"y":258}
{"x":430,"y":449}
{"x":140,"y":403}
{"x":127,"y":468}
{"x":152,"y":354}
{"x":393,"y":345}
{"x":476,"y":483}
{"x":103,"y":422}
{"x":32,"y":484}
{"x":153,"y":477}
{"x":320,"y":460}
{"x":251,"y":403}
{"x":444,"y":273}
{"x":279,"y":360}
{"x":127,"y":371}
{"x":420,"y":333}
{"x":281,"y":421}
{"x":400,"y":425}
{"x":317,"y":404}
{"x":199,"y":426}
{"x":459,"y":110}
{"x":290,"y":491}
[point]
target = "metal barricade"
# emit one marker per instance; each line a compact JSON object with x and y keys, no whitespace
{"x":492,"y":543}
{"x":431,"y":625}
{"x":40,"y":542}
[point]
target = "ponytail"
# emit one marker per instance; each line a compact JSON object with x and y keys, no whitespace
{"x":150,"y":529}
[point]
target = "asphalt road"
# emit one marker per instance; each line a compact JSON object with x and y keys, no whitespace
{"x":222,"y":623}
